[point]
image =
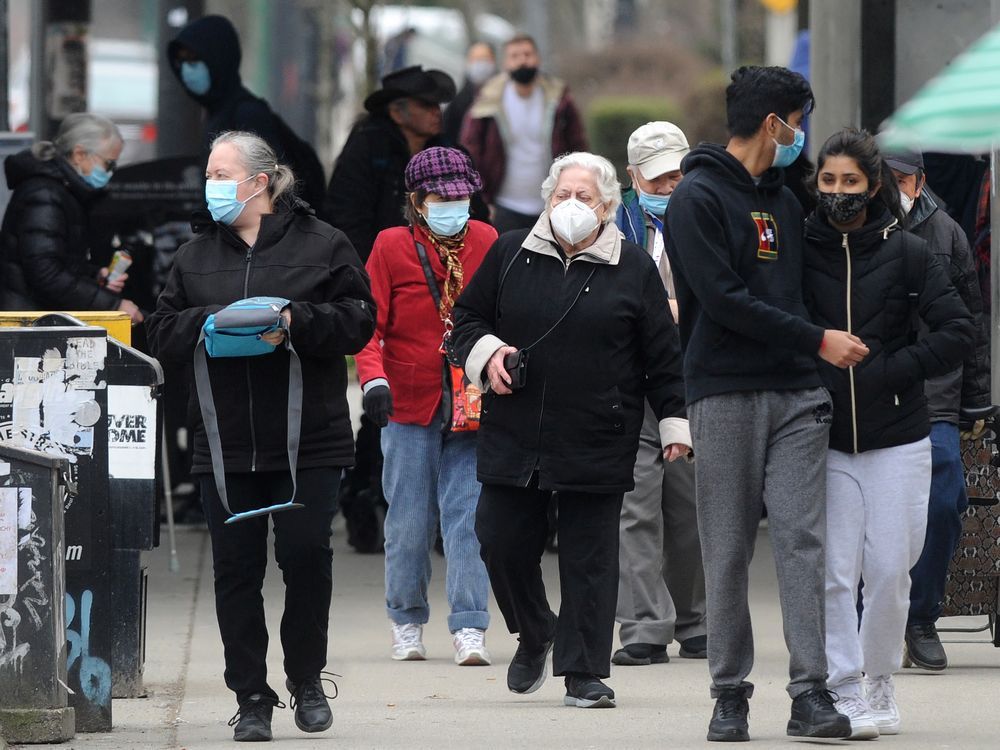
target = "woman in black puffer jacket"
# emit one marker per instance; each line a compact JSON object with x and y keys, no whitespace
{"x":865,"y":275}
{"x":44,"y":256}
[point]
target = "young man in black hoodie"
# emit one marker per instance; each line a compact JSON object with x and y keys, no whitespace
{"x":760,"y":419}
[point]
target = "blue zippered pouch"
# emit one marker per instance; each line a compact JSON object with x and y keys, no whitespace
{"x":238,"y":330}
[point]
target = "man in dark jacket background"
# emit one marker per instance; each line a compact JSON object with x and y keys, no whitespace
{"x":734,"y":241}
{"x":205,"y":56}
{"x":960,"y":396}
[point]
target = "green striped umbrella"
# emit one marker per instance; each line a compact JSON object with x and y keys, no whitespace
{"x":956,"y":111}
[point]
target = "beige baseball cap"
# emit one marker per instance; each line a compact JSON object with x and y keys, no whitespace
{"x":657,"y":148}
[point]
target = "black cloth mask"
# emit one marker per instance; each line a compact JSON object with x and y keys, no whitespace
{"x":524,"y":74}
{"x":843,"y":207}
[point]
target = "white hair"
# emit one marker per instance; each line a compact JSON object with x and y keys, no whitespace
{"x":257,"y":156}
{"x":604,"y":174}
{"x":89,"y":131}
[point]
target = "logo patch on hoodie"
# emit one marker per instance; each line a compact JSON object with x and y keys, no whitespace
{"x":767,"y":235}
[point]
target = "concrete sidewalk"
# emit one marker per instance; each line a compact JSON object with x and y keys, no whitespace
{"x":435,"y":704}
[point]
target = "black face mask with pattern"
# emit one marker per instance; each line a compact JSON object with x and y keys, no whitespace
{"x":524,"y":74}
{"x":843,"y":207}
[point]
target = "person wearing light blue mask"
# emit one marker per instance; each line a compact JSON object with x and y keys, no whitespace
{"x":195,"y":75}
{"x":785,"y":154}
{"x":45,"y":245}
{"x":429,"y":472}
{"x":661,"y":584}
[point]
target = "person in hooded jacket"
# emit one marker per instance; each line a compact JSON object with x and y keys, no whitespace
{"x":205,"y":56}
{"x":865,"y":274}
{"x":44,"y":252}
{"x":587,"y":312}
{"x":734,"y":240}
{"x":959,"y":398}
{"x":264,"y":242}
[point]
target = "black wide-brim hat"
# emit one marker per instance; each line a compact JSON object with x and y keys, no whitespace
{"x":429,"y":85}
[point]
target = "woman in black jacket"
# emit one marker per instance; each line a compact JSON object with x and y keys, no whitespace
{"x":44,"y":247}
{"x":587,"y":314}
{"x":265,"y":243}
{"x":865,"y":275}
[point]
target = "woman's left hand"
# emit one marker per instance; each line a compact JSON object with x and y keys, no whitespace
{"x":674,"y":451}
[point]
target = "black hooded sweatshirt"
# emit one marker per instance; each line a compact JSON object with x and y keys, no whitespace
{"x":735,"y":247}
{"x":229,"y":105}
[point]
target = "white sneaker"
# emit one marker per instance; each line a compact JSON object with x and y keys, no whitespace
{"x":406,"y":642}
{"x":470,"y":648}
{"x":856,"y":708}
{"x":882,"y":699}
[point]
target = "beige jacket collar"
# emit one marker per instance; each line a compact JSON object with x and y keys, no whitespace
{"x":488,"y":102}
{"x":606,"y":250}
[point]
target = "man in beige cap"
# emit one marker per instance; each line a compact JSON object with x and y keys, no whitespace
{"x":661,"y":584}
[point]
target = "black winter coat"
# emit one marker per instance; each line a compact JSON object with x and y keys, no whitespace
{"x":856,"y":282}
{"x":968,"y":386}
{"x":576,"y":421}
{"x":298,"y":257}
{"x":44,"y":253}
{"x":228,"y":104}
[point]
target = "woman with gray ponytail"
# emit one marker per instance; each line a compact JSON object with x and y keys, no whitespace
{"x":44,"y":257}
{"x":263,"y":242}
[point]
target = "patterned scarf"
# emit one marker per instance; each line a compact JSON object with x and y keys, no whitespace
{"x":448,"y":249}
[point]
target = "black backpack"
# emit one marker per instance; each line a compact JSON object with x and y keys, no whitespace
{"x":297,"y":154}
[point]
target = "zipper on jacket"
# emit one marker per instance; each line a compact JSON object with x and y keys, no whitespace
{"x":253,"y":433}
{"x":850,"y":370}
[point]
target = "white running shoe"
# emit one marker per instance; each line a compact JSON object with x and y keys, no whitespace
{"x":470,"y":648}
{"x":406,"y":642}
{"x":856,"y":708}
{"x":882,"y":699}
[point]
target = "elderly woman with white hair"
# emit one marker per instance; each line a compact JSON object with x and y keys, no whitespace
{"x":44,"y":252}
{"x":567,"y":329}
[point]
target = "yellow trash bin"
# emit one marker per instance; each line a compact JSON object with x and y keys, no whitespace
{"x":118,"y":324}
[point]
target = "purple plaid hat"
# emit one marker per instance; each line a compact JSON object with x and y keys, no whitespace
{"x":446,"y":172}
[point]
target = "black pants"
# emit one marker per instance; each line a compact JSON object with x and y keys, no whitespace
{"x":512,"y":526}
{"x":302,"y":550}
{"x":505,"y":220}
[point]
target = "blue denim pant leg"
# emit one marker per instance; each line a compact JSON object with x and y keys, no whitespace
{"x":409,"y":480}
{"x":467,"y":584}
{"x":948,"y":502}
{"x":426,"y":477}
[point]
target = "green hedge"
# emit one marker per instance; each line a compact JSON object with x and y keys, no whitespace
{"x":612,"y":119}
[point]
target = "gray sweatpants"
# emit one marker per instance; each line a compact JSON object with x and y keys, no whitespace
{"x":754,"y":449}
{"x":661,"y":583}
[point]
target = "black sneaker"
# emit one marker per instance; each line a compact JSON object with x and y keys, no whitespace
{"x":640,"y":654}
{"x":923,"y":647}
{"x":526,"y":672}
{"x":252,"y":721}
{"x":695,"y":647}
{"x":587,"y":691}
{"x":309,"y":701}
{"x":729,"y":718}
{"x":815,"y":715}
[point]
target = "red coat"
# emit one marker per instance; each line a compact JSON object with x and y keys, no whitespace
{"x":408,"y":330}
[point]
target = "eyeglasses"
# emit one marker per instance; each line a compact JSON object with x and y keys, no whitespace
{"x":109,"y":164}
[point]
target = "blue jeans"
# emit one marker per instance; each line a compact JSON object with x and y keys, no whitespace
{"x":948,"y":502}
{"x":427,"y":476}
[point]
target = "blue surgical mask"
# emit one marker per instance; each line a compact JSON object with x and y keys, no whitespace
{"x":220,"y":195}
{"x":196,"y":77}
{"x":785,"y":155}
{"x":655,"y":205}
{"x":448,"y":218}
{"x":97,"y":178}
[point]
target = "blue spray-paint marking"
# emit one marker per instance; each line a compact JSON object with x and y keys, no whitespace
{"x":95,"y":673}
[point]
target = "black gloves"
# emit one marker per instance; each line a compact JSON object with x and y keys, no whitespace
{"x":377,"y":403}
